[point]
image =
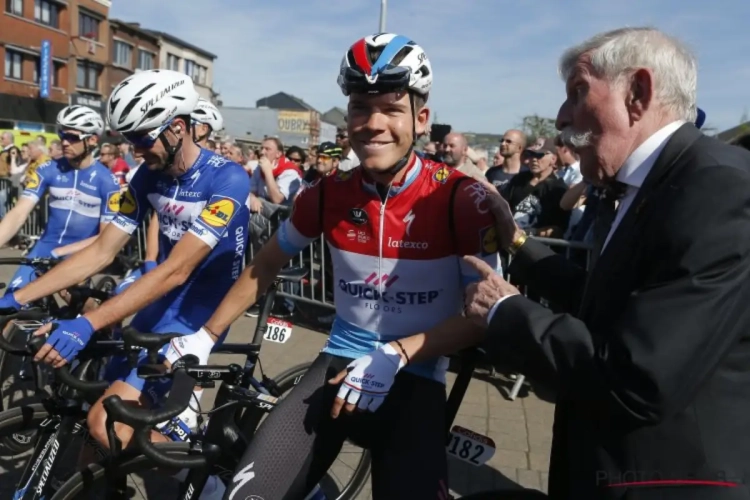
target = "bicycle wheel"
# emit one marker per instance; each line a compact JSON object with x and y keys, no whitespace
{"x":343,"y":481}
{"x":85,"y":483}
{"x":18,"y":427}
{"x":17,"y":387}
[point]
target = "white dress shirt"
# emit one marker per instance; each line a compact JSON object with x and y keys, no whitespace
{"x":632,"y":173}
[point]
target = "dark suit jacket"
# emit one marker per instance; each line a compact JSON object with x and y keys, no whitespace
{"x":652,"y":362}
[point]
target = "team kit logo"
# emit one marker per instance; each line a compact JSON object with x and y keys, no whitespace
{"x":219,"y":213}
{"x":442,"y":174}
{"x":113,"y":201}
{"x":32,"y":180}
{"x":128,"y":205}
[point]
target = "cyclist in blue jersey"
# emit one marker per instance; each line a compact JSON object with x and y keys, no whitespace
{"x":201,"y":202}
{"x":205,"y":120}
{"x":83,"y":194}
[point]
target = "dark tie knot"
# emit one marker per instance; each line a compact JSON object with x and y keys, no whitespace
{"x":615,"y":190}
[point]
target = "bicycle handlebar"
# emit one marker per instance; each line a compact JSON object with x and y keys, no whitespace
{"x":25,"y":261}
{"x":87,"y":386}
{"x":34,"y":344}
{"x":143,"y":419}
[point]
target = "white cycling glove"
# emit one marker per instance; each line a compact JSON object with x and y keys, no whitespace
{"x":198,"y":344}
{"x":370,"y":378}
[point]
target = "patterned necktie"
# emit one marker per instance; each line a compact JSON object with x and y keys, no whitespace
{"x":605,"y":216}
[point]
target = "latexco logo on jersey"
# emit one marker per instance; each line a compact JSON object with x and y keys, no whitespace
{"x":386,"y":300}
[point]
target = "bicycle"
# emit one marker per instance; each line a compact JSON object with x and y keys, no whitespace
{"x":54,"y":422}
{"x":241,"y":403}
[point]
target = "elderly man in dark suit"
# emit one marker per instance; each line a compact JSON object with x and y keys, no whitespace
{"x":652,"y":358}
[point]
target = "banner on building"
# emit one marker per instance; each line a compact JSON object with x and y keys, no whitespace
{"x":45,"y":65}
{"x":294,"y":122}
{"x":92,"y":102}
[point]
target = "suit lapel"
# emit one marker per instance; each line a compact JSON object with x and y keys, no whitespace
{"x":621,"y":242}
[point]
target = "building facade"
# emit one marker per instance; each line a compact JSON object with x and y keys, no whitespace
{"x":293,"y":128}
{"x":90,"y":52}
{"x":178,"y":55}
{"x":32,"y":93}
{"x":133,"y":49}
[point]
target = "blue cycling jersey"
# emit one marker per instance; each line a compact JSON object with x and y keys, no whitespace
{"x":208,"y":201}
{"x":79,"y":200}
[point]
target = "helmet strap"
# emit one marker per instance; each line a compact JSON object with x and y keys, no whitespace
{"x":197,"y":139}
{"x":86,"y":152}
{"x":171,"y":150}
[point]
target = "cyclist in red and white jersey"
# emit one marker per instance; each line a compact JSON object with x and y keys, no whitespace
{"x":397,"y":227}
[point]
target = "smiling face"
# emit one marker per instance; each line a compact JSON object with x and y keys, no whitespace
{"x":381,"y":128}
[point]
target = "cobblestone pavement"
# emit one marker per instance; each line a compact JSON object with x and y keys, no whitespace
{"x":520,"y":429}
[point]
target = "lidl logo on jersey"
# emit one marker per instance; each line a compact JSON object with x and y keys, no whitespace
{"x":442,"y":174}
{"x":377,"y":293}
{"x":218,"y":213}
{"x":113,"y":201}
{"x":32,"y":180}
{"x":128,"y":205}
{"x":488,"y":240}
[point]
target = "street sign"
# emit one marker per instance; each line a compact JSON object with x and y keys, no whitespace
{"x":45,"y":65}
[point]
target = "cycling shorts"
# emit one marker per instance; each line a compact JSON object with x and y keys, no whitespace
{"x":299,"y":441}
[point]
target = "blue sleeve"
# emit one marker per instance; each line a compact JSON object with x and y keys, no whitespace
{"x":134,"y":202}
{"x":230,"y":189}
{"x":109,"y":193}
{"x":36,"y":182}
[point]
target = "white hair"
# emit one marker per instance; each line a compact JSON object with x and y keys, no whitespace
{"x":615,"y":53}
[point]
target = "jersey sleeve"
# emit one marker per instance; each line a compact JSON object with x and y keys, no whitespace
{"x":134,"y":202}
{"x":109,"y":193}
{"x":229,"y":193}
{"x":288,"y":183}
{"x":304,"y":225}
{"x":475,"y":229}
{"x":37,"y":181}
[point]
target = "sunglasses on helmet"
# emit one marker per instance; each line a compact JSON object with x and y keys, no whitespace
{"x":388,"y":79}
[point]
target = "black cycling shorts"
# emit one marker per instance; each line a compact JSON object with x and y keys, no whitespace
{"x":299,"y":441}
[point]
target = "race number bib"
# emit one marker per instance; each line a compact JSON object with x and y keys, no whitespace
{"x":470,"y":447}
{"x":278,"y":330}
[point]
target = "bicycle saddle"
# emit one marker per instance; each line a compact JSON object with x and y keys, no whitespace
{"x":150,"y":341}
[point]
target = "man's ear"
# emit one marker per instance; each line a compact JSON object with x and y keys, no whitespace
{"x":421,"y":120}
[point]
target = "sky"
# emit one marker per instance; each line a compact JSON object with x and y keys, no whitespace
{"x":494,"y":61}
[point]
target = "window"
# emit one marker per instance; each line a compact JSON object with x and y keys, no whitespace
{"x":190,"y":68}
{"x":202,"y":75}
{"x":55,"y":82}
{"x":87,"y":76}
{"x":88,"y":26}
{"x":13,"y":64}
{"x":123,"y":55}
{"x":145,"y":59}
{"x":173,"y":62}
{"x":14,"y":7}
{"x":47,"y":12}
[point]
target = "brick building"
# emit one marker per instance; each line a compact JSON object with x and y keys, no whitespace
{"x":132,"y":49}
{"x":25,"y":25}
{"x":76,"y":32}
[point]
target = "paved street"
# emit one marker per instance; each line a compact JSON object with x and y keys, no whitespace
{"x":520,"y":429}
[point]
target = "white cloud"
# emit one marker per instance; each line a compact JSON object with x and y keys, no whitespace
{"x":494,"y":62}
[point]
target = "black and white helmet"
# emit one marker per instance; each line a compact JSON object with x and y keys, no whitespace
{"x":81,"y":118}
{"x":150,"y":100}
{"x":206,"y":112}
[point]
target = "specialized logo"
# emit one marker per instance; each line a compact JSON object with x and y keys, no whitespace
{"x":113,"y":201}
{"x":488,"y":240}
{"x":242,"y":477}
{"x":442,"y":174}
{"x":358,"y":216}
{"x":128,"y":205}
{"x":219,"y":213}
{"x":408,"y":220}
{"x":386,"y":300}
{"x":32,"y":180}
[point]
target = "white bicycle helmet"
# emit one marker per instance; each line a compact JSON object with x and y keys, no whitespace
{"x":206,"y":112}
{"x":81,"y":118}
{"x":150,"y":100}
{"x":383,"y":63}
